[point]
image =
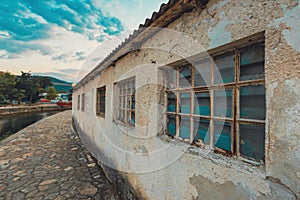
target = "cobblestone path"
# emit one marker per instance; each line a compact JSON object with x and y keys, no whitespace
{"x":47,"y":161}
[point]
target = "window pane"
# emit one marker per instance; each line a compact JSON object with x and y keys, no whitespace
{"x":123,"y":102}
{"x":223,"y":103}
{"x":120,"y":87}
{"x":133,"y":86}
{"x":252,"y":63}
{"x":121,"y":115}
{"x":202,"y":73}
{"x":171,"y":78}
{"x":128,"y":113}
{"x":133,"y":102}
{"x":185,"y":103}
{"x":171,"y":102}
{"x":185,"y":79}
{"x":252,"y":141}
{"x":222,"y":135}
{"x":128,"y":102}
{"x":201,"y":130}
{"x":224,"y":69}
{"x":124,"y":88}
{"x":129,"y":87}
{"x":184,"y":129}
{"x":171,"y":125}
{"x":132,"y":118}
{"x":202,"y":103}
{"x":253,"y":102}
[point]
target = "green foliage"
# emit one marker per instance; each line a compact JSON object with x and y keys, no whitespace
{"x":24,"y":87}
{"x":51,"y":93}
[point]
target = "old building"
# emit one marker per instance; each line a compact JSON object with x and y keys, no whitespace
{"x":202,"y":102}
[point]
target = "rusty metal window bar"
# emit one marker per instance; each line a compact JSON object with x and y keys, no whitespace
{"x":126,"y":98}
{"x":220,"y":101}
{"x":78,"y":102}
{"x":100,"y":107}
{"x":82,"y":102}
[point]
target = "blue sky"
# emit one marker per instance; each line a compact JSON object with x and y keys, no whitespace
{"x":55,"y":37}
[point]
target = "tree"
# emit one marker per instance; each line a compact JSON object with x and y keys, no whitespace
{"x":8,"y":90}
{"x":30,"y":84}
{"x":18,"y":95}
{"x":44,"y":82}
{"x":51,"y":93}
{"x":7,"y":84}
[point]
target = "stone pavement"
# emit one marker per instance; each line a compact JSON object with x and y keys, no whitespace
{"x":47,"y":161}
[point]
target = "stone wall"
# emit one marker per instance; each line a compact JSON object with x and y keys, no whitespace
{"x":28,"y":109}
{"x":157,"y":167}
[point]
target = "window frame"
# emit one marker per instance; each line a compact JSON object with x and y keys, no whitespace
{"x":78,"y":102}
{"x":126,"y":97}
{"x":100,"y":91}
{"x":82,"y":102}
{"x":211,"y":88}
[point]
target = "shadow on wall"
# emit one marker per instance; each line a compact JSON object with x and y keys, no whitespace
{"x":121,"y":185}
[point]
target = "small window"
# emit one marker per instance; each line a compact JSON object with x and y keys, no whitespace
{"x":101,"y":101}
{"x":78,"y":102}
{"x":82,"y":102}
{"x":126,"y":98}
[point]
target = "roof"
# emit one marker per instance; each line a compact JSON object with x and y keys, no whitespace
{"x":166,"y":15}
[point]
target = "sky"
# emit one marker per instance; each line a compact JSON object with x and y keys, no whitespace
{"x":66,"y":38}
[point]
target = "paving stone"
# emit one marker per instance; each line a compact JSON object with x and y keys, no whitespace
{"x":88,"y":190}
{"x":48,"y":161}
{"x":68,"y":168}
{"x":20,"y":173}
{"x":47,"y":182}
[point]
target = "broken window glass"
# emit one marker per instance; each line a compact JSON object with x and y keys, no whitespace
{"x":184,"y":129}
{"x":133,"y":102}
{"x":202,"y":103}
{"x":171,"y":78}
{"x":201,"y":130}
{"x":185,"y":77}
{"x":223,"y":103}
{"x":202,"y":73}
{"x":222,"y":135}
{"x":253,"y":102}
{"x":171,"y":125}
{"x":185,"y":103}
{"x":224,"y":70}
{"x":132,"y":118}
{"x":252,"y":141}
{"x":171,"y":102}
{"x":252,"y":63}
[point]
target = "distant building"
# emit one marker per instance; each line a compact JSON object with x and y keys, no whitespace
{"x":202,"y":102}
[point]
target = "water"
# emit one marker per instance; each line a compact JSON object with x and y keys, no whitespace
{"x":13,"y":123}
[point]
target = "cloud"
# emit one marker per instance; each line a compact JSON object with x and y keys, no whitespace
{"x":25,"y":23}
{"x":69,"y":57}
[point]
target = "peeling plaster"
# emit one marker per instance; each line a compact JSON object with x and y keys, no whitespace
{"x":292,"y":19}
{"x":218,"y":36}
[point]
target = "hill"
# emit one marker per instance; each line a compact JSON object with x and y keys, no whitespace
{"x":60,"y":85}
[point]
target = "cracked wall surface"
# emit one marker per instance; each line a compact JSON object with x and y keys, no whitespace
{"x":193,"y":175}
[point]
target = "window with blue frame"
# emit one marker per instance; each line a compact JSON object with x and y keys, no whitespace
{"x":126,"y":109}
{"x":219,"y":100}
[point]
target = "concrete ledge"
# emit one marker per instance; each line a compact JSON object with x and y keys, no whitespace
{"x":26,"y":109}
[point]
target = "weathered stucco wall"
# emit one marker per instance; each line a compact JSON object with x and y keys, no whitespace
{"x":195,"y":175}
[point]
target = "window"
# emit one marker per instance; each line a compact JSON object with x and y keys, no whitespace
{"x":82,"y":102}
{"x":78,"y":102}
{"x":101,"y":101}
{"x":126,"y":98}
{"x":220,"y":101}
